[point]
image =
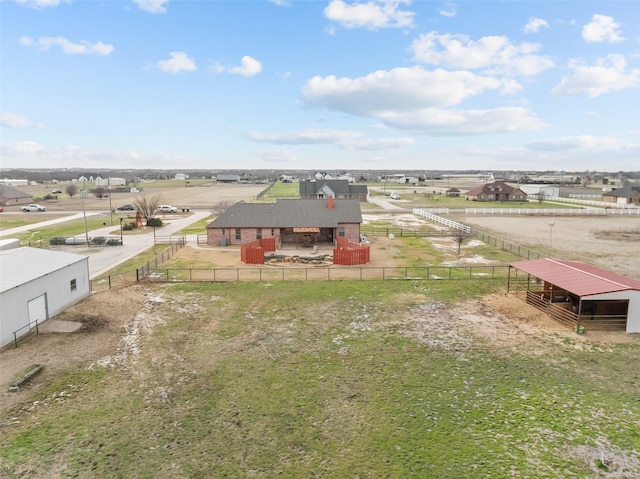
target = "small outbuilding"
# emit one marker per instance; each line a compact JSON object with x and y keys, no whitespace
{"x":35,"y":285}
{"x":577,"y":294}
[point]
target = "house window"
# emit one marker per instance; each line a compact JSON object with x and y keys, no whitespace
{"x":74,"y":285}
{"x":222,"y":231}
{"x":258,"y":233}
{"x":341,"y":231}
{"x":491,"y":197}
{"x":238,"y":233}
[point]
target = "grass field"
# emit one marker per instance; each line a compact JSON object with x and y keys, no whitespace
{"x":344,"y":379}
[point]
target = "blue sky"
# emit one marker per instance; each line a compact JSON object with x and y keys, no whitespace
{"x":325,"y":85}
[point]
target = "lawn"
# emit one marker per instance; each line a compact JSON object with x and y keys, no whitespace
{"x":280,"y":190}
{"x":330,"y":379}
{"x":68,"y":228}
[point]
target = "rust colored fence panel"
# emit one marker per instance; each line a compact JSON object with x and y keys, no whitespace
{"x":253,"y":253}
{"x":349,"y":253}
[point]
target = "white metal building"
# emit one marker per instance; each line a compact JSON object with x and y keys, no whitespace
{"x":35,"y":285}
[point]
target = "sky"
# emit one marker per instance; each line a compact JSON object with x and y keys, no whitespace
{"x":331,"y":85}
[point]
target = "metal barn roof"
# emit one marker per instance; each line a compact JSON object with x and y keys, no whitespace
{"x":580,"y":279}
{"x":21,"y":265}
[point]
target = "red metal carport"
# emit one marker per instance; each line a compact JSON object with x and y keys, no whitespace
{"x":576,"y":294}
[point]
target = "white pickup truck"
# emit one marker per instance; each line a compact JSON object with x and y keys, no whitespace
{"x":33,"y":207}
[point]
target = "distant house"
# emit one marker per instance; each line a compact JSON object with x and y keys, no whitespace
{"x":181,"y":176}
{"x":627,"y":195}
{"x":496,"y":191}
{"x":289,"y":221}
{"x":337,"y":189}
{"x":228,"y":178}
{"x":12,"y":196}
{"x":322,"y":175}
{"x":453,"y":192}
{"x":52,"y":282}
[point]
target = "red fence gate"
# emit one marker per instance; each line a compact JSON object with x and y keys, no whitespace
{"x":253,"y":253}
{"x":349,"y":253}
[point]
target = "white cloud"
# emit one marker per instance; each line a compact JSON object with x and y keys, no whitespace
{"x":582,"y":142}
{"x":178,"y":62}
{"x":69,"y":48}
{"x":414,"y":99}
{"x":249,"y":67}
{"x":400,"y":89}
{"x":608,"y":74}
{"x":448,"y":9}
{"x":379,"y":144}
{"x":495,"y":54}
{"x":439,"y":122}
{"x":373,"y":14}
{"x":280,"y":3}
{"x":13,"y":120}
{"x":152,"y":6}
{"x":602,"y":29}
{"x":39,"y":3}
{"x":351,"y":140}
{"x":535,"y":24}
{"x":311,"y":136}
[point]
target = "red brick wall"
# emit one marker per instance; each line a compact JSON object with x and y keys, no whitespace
{"x":214,"y":235}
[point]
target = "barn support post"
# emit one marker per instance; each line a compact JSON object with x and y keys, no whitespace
{"x":578,"y":325}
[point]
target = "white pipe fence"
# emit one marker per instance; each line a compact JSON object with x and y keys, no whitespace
{"x":551,"y":211}
{"x":439,"y":219}
{"x":601,"y":204}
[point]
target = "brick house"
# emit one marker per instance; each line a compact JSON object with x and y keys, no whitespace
{"x":337,"y":189}
{"x":496,"y":191}
{"x":12,"y":196}
{"x":627,"y":195}
{"x":291,"y":222}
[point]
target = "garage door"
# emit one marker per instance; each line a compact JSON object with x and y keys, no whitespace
{"x":37,"y":310}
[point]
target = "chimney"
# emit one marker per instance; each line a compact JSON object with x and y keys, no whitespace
{"x":330,"y":202}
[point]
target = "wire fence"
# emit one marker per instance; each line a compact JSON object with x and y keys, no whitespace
{"x":324,"y":273}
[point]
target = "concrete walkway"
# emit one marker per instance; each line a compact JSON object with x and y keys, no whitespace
{"x":102,"y":259}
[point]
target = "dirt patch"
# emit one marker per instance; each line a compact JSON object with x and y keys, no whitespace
{"x":102,"y":316}
{"x":571,"y":238}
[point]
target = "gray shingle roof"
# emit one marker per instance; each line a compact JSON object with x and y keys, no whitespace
{"x":285,"y":213}
{"x":9,"y":193}
{"x":339,"y":187}
{"x":624,"y":192}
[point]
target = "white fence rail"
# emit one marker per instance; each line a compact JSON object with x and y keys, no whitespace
{"x":600,"y":204}
{"x":551,"y":211}
{"x":439,"y":219}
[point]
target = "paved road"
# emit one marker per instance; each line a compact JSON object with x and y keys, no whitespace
{"x":105,"y":258}
{"x":42,"y":224}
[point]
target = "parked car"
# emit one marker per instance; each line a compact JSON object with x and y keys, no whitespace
{"x":167,"y":209}
{"x":34,"y":207}
{"x":56,"y":192}
{"x":394,"y":196}
{"x":126,"y":208}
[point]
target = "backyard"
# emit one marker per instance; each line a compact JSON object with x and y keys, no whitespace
{"x":327,"y":379}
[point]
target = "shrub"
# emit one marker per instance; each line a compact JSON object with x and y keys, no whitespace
{"x":128,"y":226}
{"x":154,"y":222}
